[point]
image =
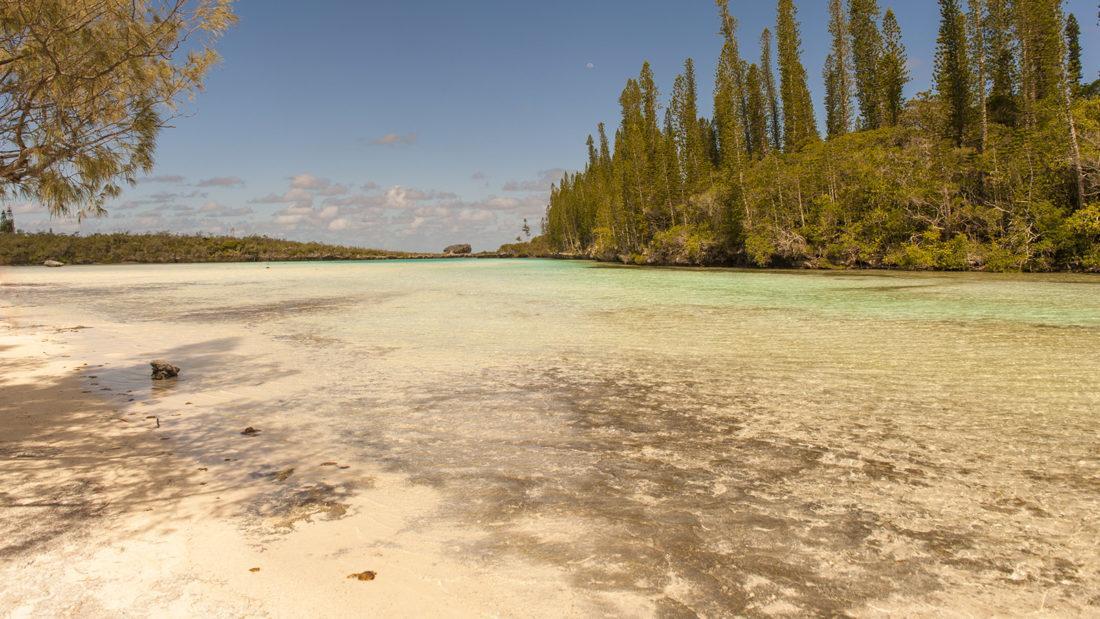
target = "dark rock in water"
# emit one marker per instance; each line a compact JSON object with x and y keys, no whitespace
{"x":458,"y":250}
{"x":250,"y":431}
{"x":163,"y":370}
{"x":53,"y":263}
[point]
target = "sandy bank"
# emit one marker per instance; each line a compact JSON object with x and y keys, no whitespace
{"x":120,"y":499}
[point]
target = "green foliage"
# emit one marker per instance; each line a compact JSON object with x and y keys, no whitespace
{"x":954,"y":83}
{"x":34,"y":249}
{"x":867,"y":57}
{"x":685,"y":244}
{"x":913,"y":193}
{"x":838,"y":74}
{"x":799,"y":126}
{"x":1074,"y":71}
{"x":86,"y":86}
{"x":893,"y":72}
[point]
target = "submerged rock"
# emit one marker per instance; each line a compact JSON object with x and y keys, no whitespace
{"x":53,"y":263}
{"x":163,"y":370}
{"x":457,"y":250}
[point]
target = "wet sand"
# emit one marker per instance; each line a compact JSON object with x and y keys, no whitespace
{"x":490,"y":484}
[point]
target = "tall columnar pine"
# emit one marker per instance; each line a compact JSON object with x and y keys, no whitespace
{"x":1039,"y":32}
{"x":650,"y":96}
{"x":689,"y":139}
{"x":729,"y":112}
{"x":838,"y":73}
{"x":952,"y":71}
{"x":756,"y":114}
{"x":866,"y":60}
{"x":1074,"y":71}
{"x":799,"y":126}
{"x":672,"y":179}
{"x":1001,"y":47}
{"x":775,"y":115}
{"x":893,"y":70}
{"x":632,"y":165}
{"x":978,"y":50}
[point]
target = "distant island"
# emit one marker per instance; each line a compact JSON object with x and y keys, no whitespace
{"x":21,"y":249}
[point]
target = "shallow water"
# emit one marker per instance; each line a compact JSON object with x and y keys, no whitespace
{"x":713,"y":441}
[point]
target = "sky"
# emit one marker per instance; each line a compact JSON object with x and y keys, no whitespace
{"x":415,"y":125}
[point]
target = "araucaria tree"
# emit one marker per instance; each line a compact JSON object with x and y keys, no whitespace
{"x":952,"y":70}
{"x":799,"y":126}
{"x":86,"y":86}
{"x":1074,"y":70}
{"x":893,"y":73}
{"x":866,"y":58}
{"x":838,"y":73}
{"x":775,"y":116}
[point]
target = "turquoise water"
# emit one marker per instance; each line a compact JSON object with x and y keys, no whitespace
{"x":709,"y":439}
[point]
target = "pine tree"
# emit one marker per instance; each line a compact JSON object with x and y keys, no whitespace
{"x":689,"y":140}
{"x":893,"y":70}
{"x":833,"y":126}
{"x":838,"y":73}
{"x":952,"y":71}
{"x":7,"y":221}
{"x":670,"y":169}
{"x":729,"y":111}
{"x":978,"y":50}
{"x":866,"y":59}
{"x":756,"y":114}
{"x":775,"y":116}
{"x":1039,"y":31}
{"x":1003,"y":71}
{"x":649,"y":109}
{"x":799,"y":126}
{"x":1074,"y":71}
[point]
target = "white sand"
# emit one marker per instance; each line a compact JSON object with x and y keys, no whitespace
{"x":101,"y":517}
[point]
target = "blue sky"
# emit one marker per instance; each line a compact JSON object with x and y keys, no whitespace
{"x":413,"y":125}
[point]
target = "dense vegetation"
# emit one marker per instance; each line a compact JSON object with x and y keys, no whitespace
{"x":997,"y":168}
{"x":25,"y":249}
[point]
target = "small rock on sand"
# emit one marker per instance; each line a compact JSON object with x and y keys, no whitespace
{"x":163,"y":370}
{"x":53,"y":263}
{"x":367,"y":575}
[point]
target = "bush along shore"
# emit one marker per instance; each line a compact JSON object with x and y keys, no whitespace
{"x":120,"y":248}
{"x":996,"y":168}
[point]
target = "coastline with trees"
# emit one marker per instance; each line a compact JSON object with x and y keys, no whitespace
{"x":997,"y":168}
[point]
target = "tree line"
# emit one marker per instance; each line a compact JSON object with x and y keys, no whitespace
{"x":997,"y":167}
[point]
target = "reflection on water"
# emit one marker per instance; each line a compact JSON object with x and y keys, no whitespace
{"x":717,"y":441}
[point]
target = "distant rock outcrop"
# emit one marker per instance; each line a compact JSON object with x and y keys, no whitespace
{"x":163,"y":370}
{"x":458,"y":250}
{"x":53,"y":263}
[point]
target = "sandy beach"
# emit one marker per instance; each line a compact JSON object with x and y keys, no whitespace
{"x":579,"y":469}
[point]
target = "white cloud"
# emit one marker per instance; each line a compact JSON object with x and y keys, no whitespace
{"x":222,"y":181}
{"x":395,"y":139}
{"x":173,"y":179}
